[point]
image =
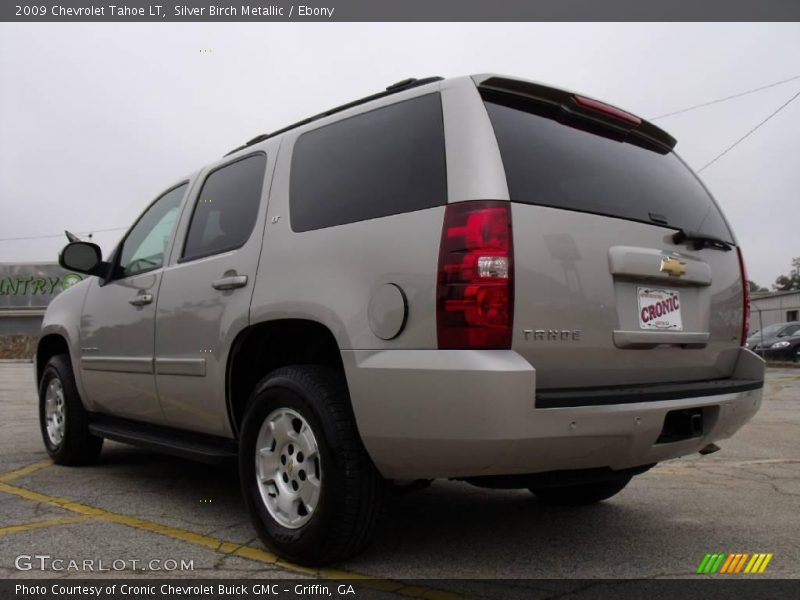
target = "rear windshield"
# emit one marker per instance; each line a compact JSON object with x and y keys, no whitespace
{"x":552,"y":164}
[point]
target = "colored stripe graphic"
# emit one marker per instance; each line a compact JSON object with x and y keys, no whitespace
{"x":735,"y":556}
{"x":740,"y":564}
{"x":710,"y":563}
{"x":715,"y":563}
{"x":734,"y":563}
{"x":753,"y":562}
{"x":727,"y":564}
{"x":764,"y":564}
{"x":703,"y":563}
{"x":718,"y":564}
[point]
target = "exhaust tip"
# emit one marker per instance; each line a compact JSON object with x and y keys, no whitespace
{"x":710,"y":449}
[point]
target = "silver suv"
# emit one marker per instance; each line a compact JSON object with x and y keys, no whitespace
{"x":479,"y":278}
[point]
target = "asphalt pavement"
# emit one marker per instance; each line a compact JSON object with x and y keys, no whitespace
{"x":156,"y":515}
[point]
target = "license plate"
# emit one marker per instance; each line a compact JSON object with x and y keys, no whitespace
{"x":660,"y":309}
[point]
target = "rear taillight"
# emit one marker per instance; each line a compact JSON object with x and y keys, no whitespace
{"x":475,"y":287}
{"x":745,"y":298}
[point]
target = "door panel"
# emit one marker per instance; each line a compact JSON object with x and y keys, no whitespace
{"x":118,"y":320}
{"x":117,"y":348}
{"x":196,"y":326}
{"x":204,"y":301}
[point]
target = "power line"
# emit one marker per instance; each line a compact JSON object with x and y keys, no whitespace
{"x":749,"y":133}
{"x":739,"y":95}
{"x":56,"y":235}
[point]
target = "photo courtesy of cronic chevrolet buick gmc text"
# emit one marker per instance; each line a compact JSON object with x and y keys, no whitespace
{"x":479,"y":278}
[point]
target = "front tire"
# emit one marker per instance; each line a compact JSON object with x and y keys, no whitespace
{"x":312,"y":492}
{"x":580,"y":495}
{"x":63,"y":420}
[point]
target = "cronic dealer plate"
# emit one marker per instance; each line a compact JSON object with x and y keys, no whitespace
{"x":659,"y":308}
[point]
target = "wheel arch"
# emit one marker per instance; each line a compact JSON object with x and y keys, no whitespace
{"x":50,"y":345}
{"x":263,"y":347}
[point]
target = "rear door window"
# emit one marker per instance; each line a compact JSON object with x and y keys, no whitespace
{"x":387,"y":161}
{"x":553,"y":164}
{"x":226,"y":209}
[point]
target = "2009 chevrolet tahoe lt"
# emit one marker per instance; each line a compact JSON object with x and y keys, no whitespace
{"x":480,"y":278}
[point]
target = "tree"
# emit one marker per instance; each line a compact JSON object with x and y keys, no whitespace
{"x":754,"y":287}
{"x":789,"y":282}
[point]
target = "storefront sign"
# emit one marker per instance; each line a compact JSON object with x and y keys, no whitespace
{"x":32,"y":285}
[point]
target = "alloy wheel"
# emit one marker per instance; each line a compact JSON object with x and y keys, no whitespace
{"x":288,"y":470}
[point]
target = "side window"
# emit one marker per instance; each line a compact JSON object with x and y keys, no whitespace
{"x":226,"y":208}
{"x":144,"y":246}
{"x":387,"y":161}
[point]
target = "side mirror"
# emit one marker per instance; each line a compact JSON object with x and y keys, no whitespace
{"x":82,"y":257}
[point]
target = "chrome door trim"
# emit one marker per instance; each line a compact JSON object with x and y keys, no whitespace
{"x":195,"y":367}
{"x":120,"y":364}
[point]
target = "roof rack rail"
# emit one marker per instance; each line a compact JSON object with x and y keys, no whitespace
{"x":400,"y":86}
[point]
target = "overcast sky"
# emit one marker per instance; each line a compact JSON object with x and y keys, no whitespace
{"x":97,"y":119}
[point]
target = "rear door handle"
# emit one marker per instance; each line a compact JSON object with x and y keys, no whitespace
{"x":230,"y":283}
{"x":141,"y":299}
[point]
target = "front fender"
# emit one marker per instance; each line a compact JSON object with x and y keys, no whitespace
{"x":63,"y":318}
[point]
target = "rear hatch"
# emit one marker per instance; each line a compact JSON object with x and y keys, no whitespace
{"x":606,"y":293}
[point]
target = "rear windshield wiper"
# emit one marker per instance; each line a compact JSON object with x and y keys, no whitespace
{"x":701,"y":240}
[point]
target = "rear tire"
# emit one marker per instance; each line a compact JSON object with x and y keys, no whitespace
{"x":580,"y":495}
{"x":312,"y":492}
{"x":63,"y":420}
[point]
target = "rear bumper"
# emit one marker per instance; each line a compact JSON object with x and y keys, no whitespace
{"x":458,"y":413}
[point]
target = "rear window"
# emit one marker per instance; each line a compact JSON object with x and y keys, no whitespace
{"x":387,"y":161}
{"x":552,"y":164}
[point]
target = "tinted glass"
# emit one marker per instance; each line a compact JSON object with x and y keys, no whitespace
{"x":384,"y":162}
{"x":553,"y":164}
{"x":145,"y":244}
{"x":768,"y":330}
{"x":226,"y":209}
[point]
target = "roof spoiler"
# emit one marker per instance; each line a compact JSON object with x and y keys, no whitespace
{"x":571,"y":107}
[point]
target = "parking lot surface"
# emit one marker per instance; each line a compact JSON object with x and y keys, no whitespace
{"x":137,"y":506}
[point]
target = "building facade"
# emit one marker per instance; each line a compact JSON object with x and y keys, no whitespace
{"x":25,"y":291}
{"x":767,"y":308}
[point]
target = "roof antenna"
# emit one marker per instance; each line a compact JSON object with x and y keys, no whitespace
{"x":71,"y":236}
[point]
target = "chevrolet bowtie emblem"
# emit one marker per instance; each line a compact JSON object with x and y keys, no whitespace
{"x":673,"y":266}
